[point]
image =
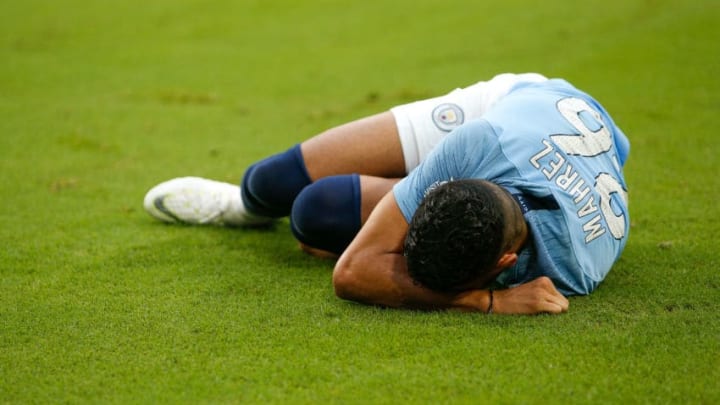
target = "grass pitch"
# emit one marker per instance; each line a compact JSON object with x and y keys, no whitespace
{"x":101,"y":100}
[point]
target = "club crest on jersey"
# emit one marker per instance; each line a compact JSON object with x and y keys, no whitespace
{"x":448,"y":116}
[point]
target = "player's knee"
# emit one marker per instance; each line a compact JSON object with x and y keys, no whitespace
{"x":270,"y":186}
{"x":326,"y":214}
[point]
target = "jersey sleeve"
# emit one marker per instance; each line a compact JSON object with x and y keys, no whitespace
{"x":459,"y":155}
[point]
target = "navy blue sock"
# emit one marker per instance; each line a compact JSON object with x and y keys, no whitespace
{"x":326,"y":214}
{"x":270,"y":186}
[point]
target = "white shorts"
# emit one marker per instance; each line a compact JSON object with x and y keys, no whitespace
{"x":423,"y":124}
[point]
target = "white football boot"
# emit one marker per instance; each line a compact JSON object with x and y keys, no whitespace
{"x":198,"y":201}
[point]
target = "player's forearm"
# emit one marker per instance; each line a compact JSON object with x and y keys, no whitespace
{"x":373,"y":270}
{"x":383,"y":280}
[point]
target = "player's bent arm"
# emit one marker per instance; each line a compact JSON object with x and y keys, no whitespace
{"x":373,"y":270}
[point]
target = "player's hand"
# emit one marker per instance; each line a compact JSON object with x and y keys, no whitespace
{"x":535,"y":297}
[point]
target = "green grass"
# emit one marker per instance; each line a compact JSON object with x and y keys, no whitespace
{"x":101,"y":100}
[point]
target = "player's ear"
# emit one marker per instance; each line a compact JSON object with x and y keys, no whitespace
{"x":507,"y":260}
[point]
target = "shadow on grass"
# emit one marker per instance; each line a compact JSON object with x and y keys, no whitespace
{"x":271,"y":250}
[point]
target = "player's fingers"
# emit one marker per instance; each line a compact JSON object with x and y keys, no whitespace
{"x":553,"y":308}
{"x":554,"y":300}
{"x":557,"y":304}
{"x":564,"y":305}
{"x":561,"y":301}
{"x":554,"y":295}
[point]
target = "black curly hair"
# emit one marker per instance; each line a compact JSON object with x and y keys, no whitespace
{"x":456,"y":235}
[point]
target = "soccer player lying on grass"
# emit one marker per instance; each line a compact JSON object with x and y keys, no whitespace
{"x":505,"y":197}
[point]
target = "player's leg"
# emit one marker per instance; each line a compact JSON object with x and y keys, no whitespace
{"x":369,"y":146}
{"x":328,"y":213}
{"x":330,"y":183}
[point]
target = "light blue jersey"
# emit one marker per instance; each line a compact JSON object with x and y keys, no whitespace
{"x":560,"y":154}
